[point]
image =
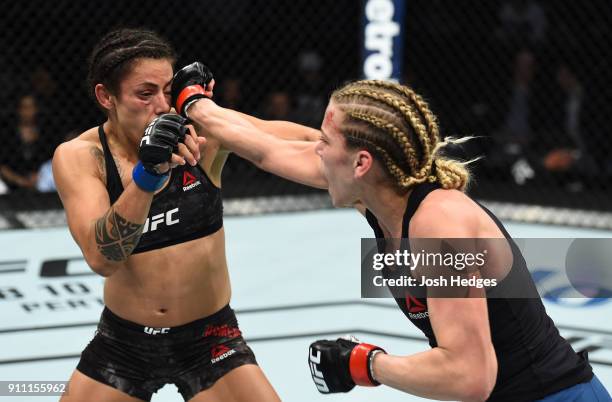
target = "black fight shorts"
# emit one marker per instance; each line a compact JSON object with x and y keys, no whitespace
{"x":139,"y":360}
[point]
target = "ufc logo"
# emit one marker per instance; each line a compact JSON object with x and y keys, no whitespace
{"x":156,"y":331}
{"x":158,"y":219}
{"x":146,"y":140}
{"x":317,"y":376}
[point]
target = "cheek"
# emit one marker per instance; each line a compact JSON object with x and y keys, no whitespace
{"x":135,"y":112}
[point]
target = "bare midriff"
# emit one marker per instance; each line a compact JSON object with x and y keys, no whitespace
{"x":173,"y":285}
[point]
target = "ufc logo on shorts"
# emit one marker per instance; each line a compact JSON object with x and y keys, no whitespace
{"x":317,"y":376}
{"x":156,"y":331}
{"x":158,"y":219}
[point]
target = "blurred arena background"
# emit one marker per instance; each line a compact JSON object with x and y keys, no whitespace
{"x":530,"y":79}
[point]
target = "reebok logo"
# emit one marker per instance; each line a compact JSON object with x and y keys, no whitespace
{"x":416,"y":309}
{"x":189,"y":181}
{"x":220,"y":352}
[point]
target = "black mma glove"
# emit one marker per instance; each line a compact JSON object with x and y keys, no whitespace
{"x":337,"y":366}
{"x":189,"y":84}
{"x":159,"y":142}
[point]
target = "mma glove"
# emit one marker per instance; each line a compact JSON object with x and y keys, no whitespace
{"x":159,"y":142}
{"x":337,"y":366}
{"x":189,"y":84}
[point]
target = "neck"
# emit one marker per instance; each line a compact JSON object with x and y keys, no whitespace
{"x":388,"y":206}
{"x":123,"y":142}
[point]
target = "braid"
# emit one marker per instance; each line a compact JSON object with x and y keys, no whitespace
{"x":112,"y":57}
{"x":385,"y":118}
{"x":395,"y":132}
{"x":396,"y":104}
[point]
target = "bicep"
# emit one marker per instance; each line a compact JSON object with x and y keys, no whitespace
{"x":296,"y":161}
{"x":83,"y":195}
{"x":284,"y":129}
{"x":462,"y":331}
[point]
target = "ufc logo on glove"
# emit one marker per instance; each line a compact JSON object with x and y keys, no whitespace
{"x":315,"y":358}
{"x":337,"y":366}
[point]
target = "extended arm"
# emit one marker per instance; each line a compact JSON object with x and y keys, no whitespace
{"x":292,"y":159}
{"x":264,"y":143}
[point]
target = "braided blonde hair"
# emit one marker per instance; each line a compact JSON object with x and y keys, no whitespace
{"x":395,"y":124}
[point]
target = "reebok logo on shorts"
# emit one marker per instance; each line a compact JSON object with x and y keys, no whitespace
{"x":220,"y":352}
{"x":189,"y":181}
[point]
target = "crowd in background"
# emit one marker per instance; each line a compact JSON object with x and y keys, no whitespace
{"x":532,"y":83}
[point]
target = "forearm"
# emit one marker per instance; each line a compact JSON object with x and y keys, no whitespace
{"x":234,"y":132}
{"x":434,"y":374}
{"x":116,"y":233}
{"x":293,"y":160}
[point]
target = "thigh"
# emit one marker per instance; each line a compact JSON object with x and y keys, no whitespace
{"x":82,"y":388}
{"x":243,"y":384}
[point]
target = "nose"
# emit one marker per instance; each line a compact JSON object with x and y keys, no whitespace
{"x":162,"y":104}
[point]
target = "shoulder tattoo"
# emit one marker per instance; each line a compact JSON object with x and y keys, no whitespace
{"x":99,"y":157}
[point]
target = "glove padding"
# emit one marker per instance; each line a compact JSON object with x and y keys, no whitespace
{"x":188,"y":85}
{"x":337,"y":366}
{"x":160,"y":141}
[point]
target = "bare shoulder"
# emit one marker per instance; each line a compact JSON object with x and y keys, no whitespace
{"x":80,"y":155}
{"x":445,"y":213}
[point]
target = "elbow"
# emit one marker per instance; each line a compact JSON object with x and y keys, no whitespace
{"x":480,"y":384}
{"x":477,"y":392}
{"x":100,"y":265}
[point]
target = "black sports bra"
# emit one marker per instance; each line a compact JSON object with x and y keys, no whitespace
{"x":188,"y":208}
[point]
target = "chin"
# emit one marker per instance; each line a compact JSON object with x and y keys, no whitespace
{"x":339,"y":203}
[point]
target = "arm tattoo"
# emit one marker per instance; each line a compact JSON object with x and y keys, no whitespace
{"x":116,"y":236}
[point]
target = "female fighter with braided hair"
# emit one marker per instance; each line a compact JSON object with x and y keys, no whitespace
{"x":146,"y":212}
{"x":379,"y":151}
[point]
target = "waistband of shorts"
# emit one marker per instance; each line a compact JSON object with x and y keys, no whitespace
{"x":223,"y":314}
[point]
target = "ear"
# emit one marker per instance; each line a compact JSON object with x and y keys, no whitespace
{"x":362,"y":163}
{"x":104,"y":97}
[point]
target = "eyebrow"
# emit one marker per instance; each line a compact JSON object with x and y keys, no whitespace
{"x":324,"y":135}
